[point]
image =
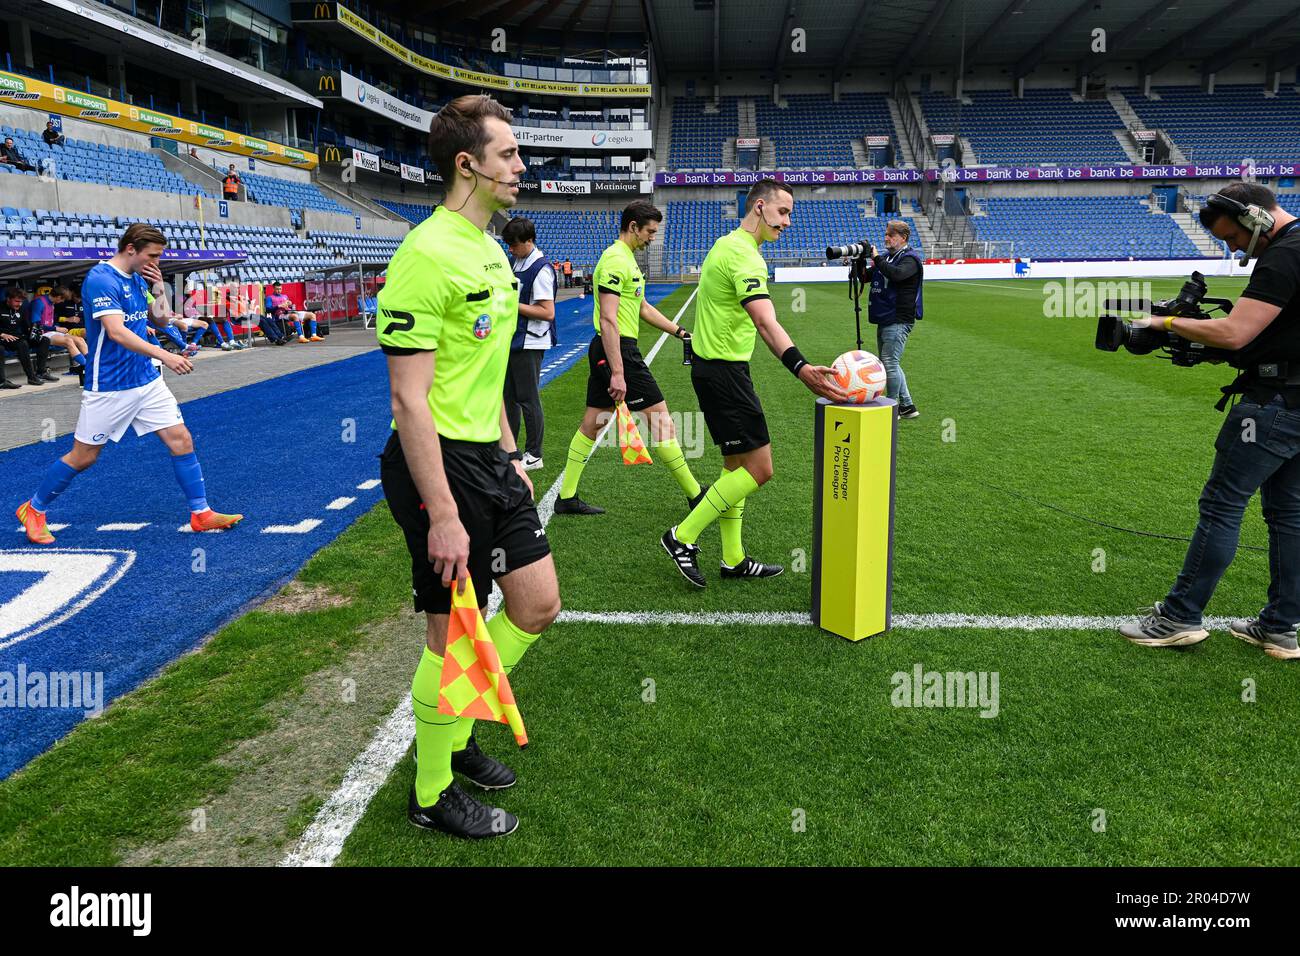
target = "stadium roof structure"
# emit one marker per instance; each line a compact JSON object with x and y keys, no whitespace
{"x":708,"y":38}
{"x":36,"y":261}
{"x":107,"y":31}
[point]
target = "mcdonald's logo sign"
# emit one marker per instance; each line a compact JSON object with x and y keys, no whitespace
{"x":332,"y":155}
{"x":327,"y":82}
{"x":322,"y":12}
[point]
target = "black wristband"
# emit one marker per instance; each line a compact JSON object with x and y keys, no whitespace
{"x":792,"y":360}
{"x":515,"y":455}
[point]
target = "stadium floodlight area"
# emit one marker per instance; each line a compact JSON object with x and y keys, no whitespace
{"x":1043,"y":126}
{"x":698,"y":134}
{"x":410,"y":211}
{"x":81,"y":161}
{"x":815,"y":130}
{"x":1064,"y":227}
{"x":1230,"y":125}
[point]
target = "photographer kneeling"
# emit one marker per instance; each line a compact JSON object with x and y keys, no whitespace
{"x":1258,"y":446}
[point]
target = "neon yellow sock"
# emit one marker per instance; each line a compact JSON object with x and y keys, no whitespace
{"x":511,"y":641}
{"x":733,"y":551}
{"x":434,"y":732}
{"x":579,"y":453}
{"x":732,"y":487}
{"x":670,"y":453}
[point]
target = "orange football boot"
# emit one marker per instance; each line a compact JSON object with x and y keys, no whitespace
{"x":34,"y":524}
{"x":213,"y":521}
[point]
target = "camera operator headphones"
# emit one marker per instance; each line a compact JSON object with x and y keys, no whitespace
{"x":1250,"y":217}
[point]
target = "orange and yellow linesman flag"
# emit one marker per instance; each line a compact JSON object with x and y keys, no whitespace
{"x":629,"y":438}
{"x":474,"y":684}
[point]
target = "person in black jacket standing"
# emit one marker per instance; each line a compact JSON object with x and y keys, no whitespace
{"x":894,"y":307}
{"x":16,"y":337}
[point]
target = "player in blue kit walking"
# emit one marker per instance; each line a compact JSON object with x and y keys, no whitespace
{"x":123,"y":387}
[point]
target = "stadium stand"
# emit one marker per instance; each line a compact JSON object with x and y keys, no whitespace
{"x":80,"y":161}
{"x":1064,"y":227}
{"x":814,"y":130}
{"x":1045,"y":126}
{"x":698,"y":135}
{"x":1262,"y":127}
{"x":273,"y":253}
{"x":272,"y":191}
{"x":577,"y":235}
{"x":410,"y":211}
{"x":357,"y":247}
{"x":691,"y":226}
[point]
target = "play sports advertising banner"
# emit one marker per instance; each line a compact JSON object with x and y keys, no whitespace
{"x":959,"y":174}
{"x":48,"y":98}
{"x":337,"y":13}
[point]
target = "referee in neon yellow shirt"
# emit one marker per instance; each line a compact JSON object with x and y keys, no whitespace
{"x":618,"y":373}
{"x":453,"y":478}
{"x":733,"y":307}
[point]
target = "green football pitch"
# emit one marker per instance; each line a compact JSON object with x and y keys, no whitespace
{"x":1046,"y":489}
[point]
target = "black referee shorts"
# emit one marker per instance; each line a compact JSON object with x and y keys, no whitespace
{"x":730,"y":405}
{"x":642,"y":389}
{"x":505,"y":533}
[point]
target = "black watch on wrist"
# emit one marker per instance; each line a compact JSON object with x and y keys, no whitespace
{"x":515,"y":455}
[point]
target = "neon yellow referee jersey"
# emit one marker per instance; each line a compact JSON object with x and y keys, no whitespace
{"x":734,"y":273}
{"x":450,"y":290}
{"x":618,"y":272}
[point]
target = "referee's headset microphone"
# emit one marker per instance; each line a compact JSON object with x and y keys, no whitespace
{"x":500,"y":182}
{"x":758,"y":208}
{"x":1251,"y":217}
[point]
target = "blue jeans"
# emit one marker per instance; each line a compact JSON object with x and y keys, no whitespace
{"x":890,"y":341}
{"x":1270,"y":463}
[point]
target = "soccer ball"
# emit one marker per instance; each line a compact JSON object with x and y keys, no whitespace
{"x":860,"y":374}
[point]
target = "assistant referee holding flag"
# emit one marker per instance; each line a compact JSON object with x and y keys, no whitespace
{"x":732,"y":305}
{"x":618,"y":373}
{"x":451,"y":472}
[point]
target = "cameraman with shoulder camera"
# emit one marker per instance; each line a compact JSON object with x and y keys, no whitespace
{"x":1258,"y":446}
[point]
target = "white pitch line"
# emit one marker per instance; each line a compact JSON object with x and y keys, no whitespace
{"x":52,"y":527}
{"x":323,"y":839}
{"x":124,"y":526}
{"x":338,"y":504}
{"x":909,"y":622}
{"x":368,"y":484}
{"x":302,"y":527}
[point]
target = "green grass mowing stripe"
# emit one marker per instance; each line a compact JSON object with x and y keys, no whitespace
{"x":747,"y":727}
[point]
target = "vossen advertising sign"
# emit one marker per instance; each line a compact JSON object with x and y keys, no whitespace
{"x":605,"y":139}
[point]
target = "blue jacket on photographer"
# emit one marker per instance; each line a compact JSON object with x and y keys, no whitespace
{"x":896,"y":278}
{"x":894,"y":305}
{"x":1258,"y":447}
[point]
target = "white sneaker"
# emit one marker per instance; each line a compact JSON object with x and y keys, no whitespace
{"x":531,"y":463}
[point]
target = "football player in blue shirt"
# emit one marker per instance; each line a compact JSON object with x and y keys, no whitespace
{"x":123,"y":387}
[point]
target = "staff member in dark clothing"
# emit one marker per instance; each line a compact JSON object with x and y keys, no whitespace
{"x":51,"y":135}
{"x":534,"y":334}
{"x":16,"y":337}
{"x":1258,"y":446}
{"x":894,"y":307}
